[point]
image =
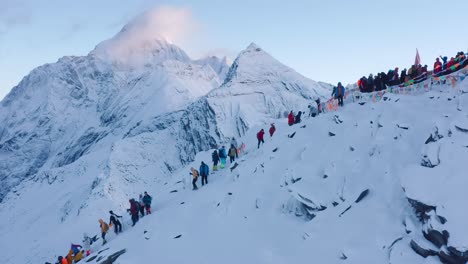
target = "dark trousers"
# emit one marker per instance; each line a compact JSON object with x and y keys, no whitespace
{"x":134,"y":218}
{"x":103,"y":235}
{"x":194,"y":183}
{"x":340,"y":100}
{"x":231,"y":158}
{"x":142,"y":210}
{"x":204,"y":179}
{"x":260,"y":140}
{"x":117,"y":227}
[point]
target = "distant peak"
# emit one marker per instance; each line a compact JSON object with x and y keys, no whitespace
{"x":253,"y":47}
{"x":140,"y":42}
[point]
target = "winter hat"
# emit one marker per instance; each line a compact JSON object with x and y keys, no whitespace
{"x":110,"y":212}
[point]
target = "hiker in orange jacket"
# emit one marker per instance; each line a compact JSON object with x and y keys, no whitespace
{"x":104,"y":228}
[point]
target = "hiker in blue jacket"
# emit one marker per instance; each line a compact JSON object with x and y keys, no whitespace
{"x":222,"y":156}
{"x":338,"y":93}
{"x":204,"y":171}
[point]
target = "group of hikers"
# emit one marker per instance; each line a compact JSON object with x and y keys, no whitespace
{"x":414,"y":74}
{"x":78,"y":252}
{"x":218,"y":156}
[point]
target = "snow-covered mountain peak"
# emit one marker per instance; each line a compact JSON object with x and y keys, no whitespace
{"x":138,"y":44}
{"x":253,"y":46}
{"x":254,"y":64}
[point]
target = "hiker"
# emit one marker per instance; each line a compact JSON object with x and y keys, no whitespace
{"x":134,"y":210}
{"x":450,"y":64}
{"x":291,"y":118}
{"x":297,"y":119}
{"x":444,"y":65}
{"x":215,"y":158}
{"x":378,"y":82}
{"x":141,"y":205}
{"x":62,"y":260}
{"x":363,"y":85}
{"x":114,"y":220}
{"x":204,"y":171}
{"x":222,"y":156}
{"x":394,"y":77}
{"x":87,"y":244}
{"x":319,"y":107}
{"x":147,"y":199}
{"x":79,"y":256}
{"x":312,"y":111}
{"x":403,"y":75}
{"x":272,"y":129}
{"x":234,"y":143}
{"x":370,"y":83}
{"x":232,"y":153}
{"x":194,"y":173}
{"x":75,"y":248}
{"x":339,"y":92}
{"x":104,"y":228}
{"x":260,"y":137}
{"x":437,"y":66}
{"x":69,"y":257}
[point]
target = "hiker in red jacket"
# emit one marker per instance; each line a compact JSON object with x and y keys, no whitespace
{"x":291,"y":119}
{"x":134,"y":210}
{"x":272,"y":129}
{"x":260,"y":137}
{"x":437,"y":66}
{"x":450,"y":64}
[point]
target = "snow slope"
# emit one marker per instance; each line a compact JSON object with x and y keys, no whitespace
{"x":338,"y":191}
{"x":286,"y":202}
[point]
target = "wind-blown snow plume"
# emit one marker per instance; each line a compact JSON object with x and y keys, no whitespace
{"x":149,"y":31}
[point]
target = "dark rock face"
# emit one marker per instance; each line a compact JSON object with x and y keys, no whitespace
{"x":437,"y":238}
{"x":112,"y":258}
{"x":422,"y":251}
{"x":77,"y":149}
{"x":421,"y":209}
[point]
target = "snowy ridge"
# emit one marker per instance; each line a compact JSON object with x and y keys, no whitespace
{"x":61,"y":111}
{"x":328,"y":193}
{"x":293,"y":195}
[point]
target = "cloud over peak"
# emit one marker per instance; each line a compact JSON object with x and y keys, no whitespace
{"x":151,"y":31}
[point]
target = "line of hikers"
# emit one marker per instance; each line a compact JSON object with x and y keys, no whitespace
{"x":218,"y":157}
{"x":416,"y":73}
{"x":78,"y":252}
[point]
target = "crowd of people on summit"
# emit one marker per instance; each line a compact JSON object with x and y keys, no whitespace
{"x":414,"y":74}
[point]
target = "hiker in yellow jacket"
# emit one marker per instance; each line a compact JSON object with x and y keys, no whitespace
{"x":194,"y":173}
{"x":79,"y":256}
{"x":104,"y":228}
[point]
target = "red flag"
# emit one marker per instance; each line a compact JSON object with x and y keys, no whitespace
{"x":417,"y":60}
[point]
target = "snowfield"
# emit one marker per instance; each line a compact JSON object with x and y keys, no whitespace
{"x":286,"y":202}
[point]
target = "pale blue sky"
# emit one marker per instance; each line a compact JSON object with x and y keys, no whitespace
{"x":327,"y":41}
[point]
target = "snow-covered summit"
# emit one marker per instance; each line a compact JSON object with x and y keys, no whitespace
{"x":125,"y":51}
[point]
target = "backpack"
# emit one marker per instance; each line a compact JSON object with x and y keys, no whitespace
{"x":222,"y":153}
